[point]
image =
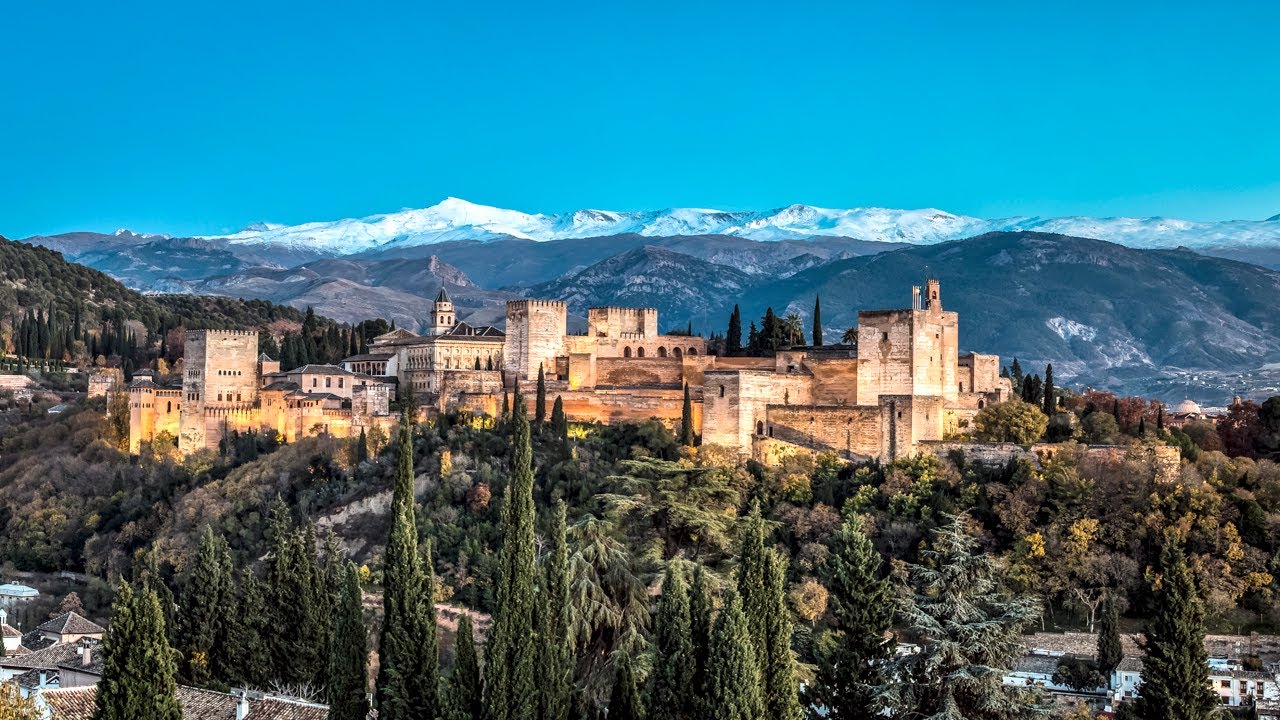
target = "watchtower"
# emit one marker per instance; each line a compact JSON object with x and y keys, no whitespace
{"x":443,"y":317}
{"x":220,"y":371}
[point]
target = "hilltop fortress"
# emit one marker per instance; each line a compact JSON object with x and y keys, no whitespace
{"x":903,"y":384}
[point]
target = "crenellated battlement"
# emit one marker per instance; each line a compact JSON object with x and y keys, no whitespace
{"x":522,"y":304}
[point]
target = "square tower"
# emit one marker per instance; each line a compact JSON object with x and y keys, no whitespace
{"x":909,"y":352}
{"x":220,"y":375}
{"x":535,"y":337}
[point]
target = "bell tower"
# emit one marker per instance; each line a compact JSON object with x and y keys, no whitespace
{"x":443,"y":317}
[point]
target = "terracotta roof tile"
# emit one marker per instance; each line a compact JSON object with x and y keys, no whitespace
{"x":72,"y":623}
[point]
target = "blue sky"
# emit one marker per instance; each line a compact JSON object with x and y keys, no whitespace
{"x":201,"y":117}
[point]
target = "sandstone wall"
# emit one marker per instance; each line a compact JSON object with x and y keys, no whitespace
{"x":979,"y":373}
{"x":735,"y":402}
{"x":835,"y":381}
{"x":479,"y":391}
{"x":219,"y":370}
{"x":620,"y":322}
{"x":620,"y":372}
{"x":536,"y":332}
{"x":852,"y":432}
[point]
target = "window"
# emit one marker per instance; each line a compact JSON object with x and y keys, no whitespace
{"x":721,"y":391}
{"x":884,"y":337}
{"x":677,"y":352}
{"x":340,"y":382}
{"x":662,"y":352}
{"x":169,"y":406}
{"x":760,"y":427}
{"x":314,"y":382}
{"x":219,"y":397}
{"x":639,"y":352}
{"x":626,"y":352}
{"x":693,"y":352}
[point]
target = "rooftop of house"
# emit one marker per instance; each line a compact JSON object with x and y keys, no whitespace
{"x":52,"y":656}
{"x":18,"y":590}
{"x":77,"y":703}
{"x":281,"y":709}
{"x":71,"y":623}
{"x":369,"y":357}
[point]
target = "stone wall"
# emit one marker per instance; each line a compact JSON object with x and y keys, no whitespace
{"x":612,"y":406}
{"x":979,"y":373}
{"x":735,"y":402}
{"x":835,"y":381}
{"x":620,"y":322}
{"x":621,"y":372}
{"x":478,"y":391}
{"x":853,"y":432}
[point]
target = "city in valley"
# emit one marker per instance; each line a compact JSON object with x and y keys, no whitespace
{"x":918,"y":372}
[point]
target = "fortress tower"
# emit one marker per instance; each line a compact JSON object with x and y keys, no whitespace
{"x":443,"y":317}
{"x":536,"y":332}
{"x":909,"y":352}
{"x":219,"y":379}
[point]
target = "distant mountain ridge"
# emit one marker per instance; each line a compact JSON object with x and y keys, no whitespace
{"x":456,"y":219}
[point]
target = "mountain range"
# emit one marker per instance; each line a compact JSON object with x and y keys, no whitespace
{"x":1163,"y":307}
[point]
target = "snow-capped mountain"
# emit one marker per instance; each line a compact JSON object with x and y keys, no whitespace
{"x":455,"y":219}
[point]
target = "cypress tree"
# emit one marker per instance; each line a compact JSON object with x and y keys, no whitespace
{"x":752,"y":580}
{"x":1110,"y":651}
{"x":686,"y":420}
{"x":559,"y":423}
{"x":1175,"y":669}
{"x":671,"y":694}
{"x":540,"y":402}
{"x":208,"y":608}
{"x":1015,"y":374}
{"x":778,"y":672}
{"x":1050,"y":399}
{"x":138,"y":666}
{"x":362,"y":447}
{"x":1142,"y":426}
{"x":733,"y":338}
{"x":506,"y":405}
{"x":861,"y":606}
{"x":817,"y":321}
{"x":700,"y":631}
{"x":556,"y":657}
{"x":250,"y":653}
{"x":511,"y":692}
{"x":733,"y":676}
{"x":408,"y":670}
{"x":349,"y":653}
{"x":624,"y":699}
{"x":1115,"y":412}
{"x":466,"y":688}
{"x":1160,"y":417}
{"x":296,"y":656}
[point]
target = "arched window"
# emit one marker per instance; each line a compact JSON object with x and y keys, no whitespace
{"x":662,"y":352}
{"x":640,"y":352}
{"x":626,"y":352}
{"x":760,"y":427}
{"x":693,"y":352}
{"x":678,"y":353}
{"x":981,"y":404}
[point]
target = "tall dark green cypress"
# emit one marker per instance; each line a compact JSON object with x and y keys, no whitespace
{"x":247,"y":641}
{"x":687,"y":436}
{"x":752,"y":580}
{"x":559,"y":422}
{"x":466,"y":687}
{"x":1175,"y":668}
{"x":1050,"y":397}
{"x":511,"y":693}
{"x":778,"y":671}
{"x":700,"y":630}
{"x":362,"y":447}
{"x":208,"y":607}
{"x":733,"y":677}
{"x":624,"y":699}
{"x":817,"y":321}
{"x":733,"y":338}
{"x":296,"y":656}
{"x":349,"y":653}
{"x":540,"y":402}
{"x":408,"y":653}
{"x":138,"y":666}
{"x":671,"y":694}
{"x":860,"y":602}
{"x":1110,"y":650}
{"x":555,"y":663}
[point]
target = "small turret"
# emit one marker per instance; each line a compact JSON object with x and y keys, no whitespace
{"x":443,"y":317}
{"x":932,"y":295}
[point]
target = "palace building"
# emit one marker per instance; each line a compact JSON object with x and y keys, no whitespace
{"x":903,"y":384}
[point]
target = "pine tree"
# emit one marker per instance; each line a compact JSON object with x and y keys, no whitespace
{"x":1110,"y":651}
{"x":511,"y":689}
{"x":778,"y":671}
{"x":349,"y":653}
{"x":247,"y":640}
{"x":733,"y":676}
{"x":686,"y":420}
{"x":466,"y":688}
{"x":409,"y":663}
{"x":733,"y":338}
{"x":138,"y":666}
{"x":540,"y":401}
{"x":624,"y":700}
{"x":1015,"y":374}
{"x":670,"y":694}
{"x":861,"y":606}
{"x":700,"y":631}
{"x":555,"y":663}
{"x":969,"y":629}
{"x":208,"y":605}
{"x":1175,"y":669}
{"x":817,"y":321}
{"x":1050,"y":399}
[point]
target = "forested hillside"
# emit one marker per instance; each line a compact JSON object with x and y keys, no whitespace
{"x":63,"y":313}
